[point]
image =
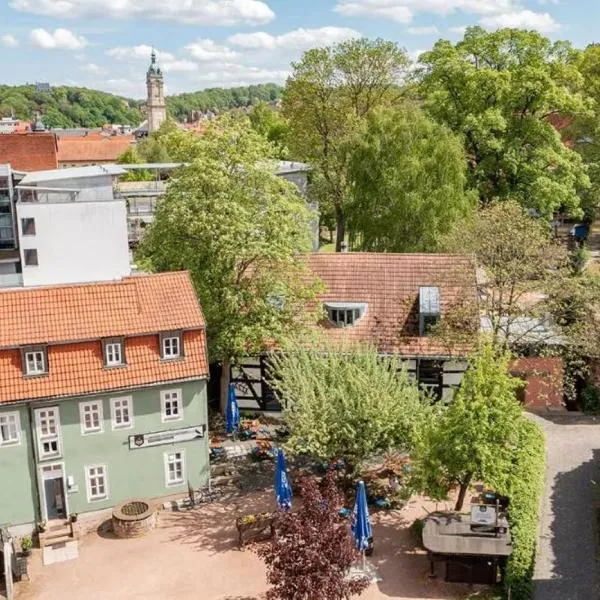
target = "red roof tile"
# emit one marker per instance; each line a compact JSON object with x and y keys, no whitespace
{"x":73,"y":319}
{"x":29,"y":151}
{"x":389,"y":284}
{"x":93,"y":148}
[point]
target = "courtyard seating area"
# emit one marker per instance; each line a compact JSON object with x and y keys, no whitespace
{"x":195,"y":554}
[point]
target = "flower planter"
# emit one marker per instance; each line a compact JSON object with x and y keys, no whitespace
{"x":254,"y":528}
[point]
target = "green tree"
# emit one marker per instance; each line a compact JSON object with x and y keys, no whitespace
{"x":131,"y":157}
{"x":408,"y":180}
{"x":238,"y":228}
{"x":269,"y":122}
{"x":331,"y":90}
{"x":498,"y":90}
{"x":345,"y":401}
{"x":475,"y":438}
{"x":520,"y":264}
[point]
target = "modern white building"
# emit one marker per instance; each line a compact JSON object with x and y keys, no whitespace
{"x":71,"y":226}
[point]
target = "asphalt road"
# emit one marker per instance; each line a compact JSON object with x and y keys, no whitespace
{"x":567,"y":566}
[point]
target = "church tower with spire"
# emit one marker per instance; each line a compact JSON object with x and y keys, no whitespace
{"x":156,"y":107}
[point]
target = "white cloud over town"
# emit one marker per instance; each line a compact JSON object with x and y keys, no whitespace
{"x":60,"y":39}
{"x":490,"y":13}
{"x":8,"y":40}
{"x":209,"y":50}
{"x":193,"y":12}
{"x":298,"y":39}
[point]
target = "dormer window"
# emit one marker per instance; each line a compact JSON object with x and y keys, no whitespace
{"x":429,"y":309}
{"x":114,"y":353}
{"x":345,"y":314}
{"x":171,"y":345}
{"x":35,"y":361}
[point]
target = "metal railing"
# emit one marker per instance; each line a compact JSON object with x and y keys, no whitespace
{"x":40,"y":195}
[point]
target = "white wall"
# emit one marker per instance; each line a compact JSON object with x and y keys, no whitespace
{"x":76,"y":242}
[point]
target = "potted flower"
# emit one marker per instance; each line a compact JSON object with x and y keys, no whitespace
{"x":26,"y":545}
{"x":41,"y":526}
{"x":73,"y":517}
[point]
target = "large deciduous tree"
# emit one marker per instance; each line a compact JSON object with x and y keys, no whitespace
{"x":238,"y":228}
{"x":498,"y":90}
{"x":474,"y":438}
{"x":520,"y":264}
{"x":408,"y":180}
{"x":312,"y":549}
{"x":345,"y":400}
{"x":331,"y":90}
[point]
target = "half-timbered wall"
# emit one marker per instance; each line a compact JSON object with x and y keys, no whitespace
{"x":253,"y":391}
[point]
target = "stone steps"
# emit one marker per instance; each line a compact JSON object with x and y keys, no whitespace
{"x":58,"y":533}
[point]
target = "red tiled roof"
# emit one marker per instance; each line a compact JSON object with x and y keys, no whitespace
{"x":389,"y":285}
{"x":73,"y":319}
{"x":93,"y":148}
{"x":29,"y":151}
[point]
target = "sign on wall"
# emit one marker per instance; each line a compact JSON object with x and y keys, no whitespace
{"x":172,"y":436}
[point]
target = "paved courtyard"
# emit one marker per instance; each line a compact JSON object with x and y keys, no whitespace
{"x":194,"y":555}
{"x":567,"y":567}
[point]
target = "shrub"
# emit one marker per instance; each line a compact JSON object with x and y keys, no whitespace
{"x":590,"y":400}
{"x":525,"y":490}
{"x":26,"y":544}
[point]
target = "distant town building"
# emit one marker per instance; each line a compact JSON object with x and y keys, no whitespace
{"x":12,"y":125}
{"x":42,"y":87}
{"x":93,"y":149}
{"x":156,"y":108}
{"x":72,"y":228}
{"x":29,"y":151}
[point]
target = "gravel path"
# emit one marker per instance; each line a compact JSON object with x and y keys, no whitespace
{"x":567,"y":567}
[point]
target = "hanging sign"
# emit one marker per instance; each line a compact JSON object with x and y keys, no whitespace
{"x":171,"y":436}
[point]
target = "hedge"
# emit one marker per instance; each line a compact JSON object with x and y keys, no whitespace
{"x":525,"y":491}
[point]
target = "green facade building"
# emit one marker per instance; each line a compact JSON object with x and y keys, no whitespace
{"x":102,"y":398}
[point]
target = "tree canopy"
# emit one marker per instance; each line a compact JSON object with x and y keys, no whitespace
{"x":345,"y":401}
{"x":331,"y":90}
{"x":237,"y":227}
{"x":474,"y":438}
{"x":65,"y":106}
{"x":498,"y":89}
{"x":408,"y":181}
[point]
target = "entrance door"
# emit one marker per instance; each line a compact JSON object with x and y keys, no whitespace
{"x":54,"y":491}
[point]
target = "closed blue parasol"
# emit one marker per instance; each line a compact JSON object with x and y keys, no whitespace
{"x":283,"y":489}
{"x":361,"y":525}
{"x":233,"y":410}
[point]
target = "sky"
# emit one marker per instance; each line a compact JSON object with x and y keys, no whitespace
{"x":106,"y":44}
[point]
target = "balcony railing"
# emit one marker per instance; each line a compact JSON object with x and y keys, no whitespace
{"x":40,"y":195}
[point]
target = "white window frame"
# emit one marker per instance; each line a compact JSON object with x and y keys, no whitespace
{"x":166,"y":341}
{"x":82,"y":412}
{"x":48,"y":437}
{"x":114,"y":348}
{"x":345,"y":314}
{"x":114,"y":411}
{"x":10,"y":420}
{"x":39,"y":357}
{"x":166,"y":397}
{"x":88,"y":483}
{"x":172,"y":483}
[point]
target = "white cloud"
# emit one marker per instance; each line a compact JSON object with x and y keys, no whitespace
{"x":233,"y":74}
{"x":460,"y":29}
{"x":208,"y":50}
{"x":179,"y":66}
{"x":298,"y":39}
{"x":9,"y":41}
{"x":525,"y":19}
{"x":429,"y":30}
{"x":198,"y":12}
{"x":93,"y":69}
{"x":61,"y":39}
{"x":403,"y":11}
{"x":141,"y":52}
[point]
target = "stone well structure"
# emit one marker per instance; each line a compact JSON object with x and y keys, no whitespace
{"x":134,"y":518}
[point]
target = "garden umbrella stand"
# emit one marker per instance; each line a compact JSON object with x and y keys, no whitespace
{"x":361,"y":528}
